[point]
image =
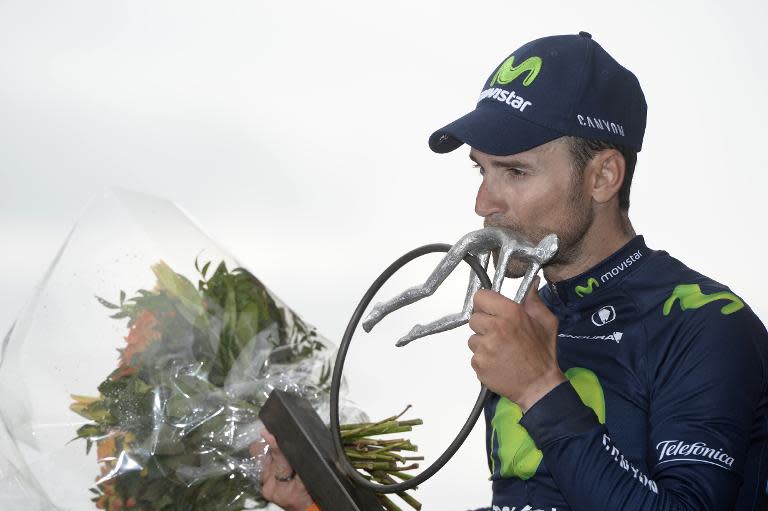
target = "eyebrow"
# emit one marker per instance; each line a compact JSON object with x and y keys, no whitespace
{"x":505,"y":163}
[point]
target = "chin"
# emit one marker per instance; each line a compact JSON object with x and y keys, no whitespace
{"x":515,"y":271}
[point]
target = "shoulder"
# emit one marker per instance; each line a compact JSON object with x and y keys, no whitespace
{"x":671,"y":291}
{"x":694,"y":321}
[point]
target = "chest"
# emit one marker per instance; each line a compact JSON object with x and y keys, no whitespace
{"x":602,"y":351}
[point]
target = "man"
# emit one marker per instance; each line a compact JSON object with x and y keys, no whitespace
{"x":629,"y":381}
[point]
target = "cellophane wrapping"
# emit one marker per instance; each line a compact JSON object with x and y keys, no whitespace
{"x":134,"y":376}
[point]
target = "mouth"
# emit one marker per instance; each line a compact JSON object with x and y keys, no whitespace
{"x":513,"y":228}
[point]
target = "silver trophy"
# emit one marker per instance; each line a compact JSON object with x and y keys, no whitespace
{"x":317,"y":454}
{"x":479,"y":243}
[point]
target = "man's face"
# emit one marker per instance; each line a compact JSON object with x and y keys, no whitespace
{"x":534,"y":193}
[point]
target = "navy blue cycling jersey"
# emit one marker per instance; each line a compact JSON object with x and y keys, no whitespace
{"x":666,"y":406}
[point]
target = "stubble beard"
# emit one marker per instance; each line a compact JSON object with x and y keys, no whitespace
{"x":570,"y":234}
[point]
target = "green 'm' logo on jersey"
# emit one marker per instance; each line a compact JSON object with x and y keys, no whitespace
{"x":517,"y":453}
{"x":508,"y":71}
{"x":586,"y":290}
{"x":691,"y":297}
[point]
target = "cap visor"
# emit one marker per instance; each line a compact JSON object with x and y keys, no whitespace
{"x":492,"y":131}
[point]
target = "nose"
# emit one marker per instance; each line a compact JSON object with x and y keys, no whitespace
{"x":487,"y":202}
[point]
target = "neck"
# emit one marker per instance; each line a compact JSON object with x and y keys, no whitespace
{"x":606,"y":235}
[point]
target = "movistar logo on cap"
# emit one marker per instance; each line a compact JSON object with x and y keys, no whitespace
{"x":508,"y":71}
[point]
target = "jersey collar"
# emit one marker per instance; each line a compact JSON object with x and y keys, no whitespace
{"x":592,"y":284}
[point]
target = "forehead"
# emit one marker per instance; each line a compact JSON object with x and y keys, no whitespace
{"x":557,"y":149}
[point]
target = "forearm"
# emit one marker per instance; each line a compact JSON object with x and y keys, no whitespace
{"x":592,"y":473}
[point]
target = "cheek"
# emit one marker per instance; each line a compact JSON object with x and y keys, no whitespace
{"x":540,"y":205}
{"x":549,"y":210}
{"x":539,"y":202}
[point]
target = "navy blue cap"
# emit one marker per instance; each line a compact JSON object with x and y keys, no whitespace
{"x":565,"y":85}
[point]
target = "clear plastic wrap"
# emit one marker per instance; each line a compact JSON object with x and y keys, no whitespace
{"x":134,"y":377}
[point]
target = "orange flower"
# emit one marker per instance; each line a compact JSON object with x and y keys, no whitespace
{"x":121,"y":371}
{"x":142,"y":333}
{"x":106,"y":449}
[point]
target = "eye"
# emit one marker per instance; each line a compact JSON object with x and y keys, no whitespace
{"x":515,"y":172}
{"x":479,"y":168}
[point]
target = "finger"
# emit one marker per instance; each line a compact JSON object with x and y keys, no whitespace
{"x":269,"y":438}
{"x":283,"y":470}
{"x":266,"y":470}
{"x":279,"y":465}
{"x":268,"y":486}
{"x":277,"y":456}
{"x":493,"y":303}
{"x":534,"y":289}
{"x":474,"y":342}
{"x":258,"y":448}
{"x":475,"y":366}
{"x":537,"y":309}
{"x":532,"y":298}
{"x":480,"y":322}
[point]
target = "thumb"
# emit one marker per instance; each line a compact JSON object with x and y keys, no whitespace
{"x":535,"y":308}
{"x":269,"y":438}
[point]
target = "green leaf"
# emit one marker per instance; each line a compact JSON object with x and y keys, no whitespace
{"x":108,"y":305}
{"x":248,"y":323}
{"x":205,"y":268}
{"x":165,"y":500}
{"x":89,"y":431}
{"x":180,"y":288}
{"x":122,"y":297}
{"x":229,"y":348}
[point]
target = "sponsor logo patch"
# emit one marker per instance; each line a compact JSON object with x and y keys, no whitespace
{"x":592,"y":282}
{"x":678,"y":450}
{"x":691,"y":297}
{"x":604,"y":315}
{"x":508,"y":71}
{"x":506,"y":74}
{"x":624,"y":463}
{"x":600,"y":124}
{"x":616,"y":270}
{"x":615,"y":336}
{"x":587,"y":290}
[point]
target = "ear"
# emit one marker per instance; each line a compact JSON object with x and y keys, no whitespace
{"x":607,"y":170}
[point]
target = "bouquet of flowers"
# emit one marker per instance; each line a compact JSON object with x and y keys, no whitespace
{"x":176,"y":423}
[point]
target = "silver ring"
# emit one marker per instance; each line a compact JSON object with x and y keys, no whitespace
{"x":285,"y":479}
